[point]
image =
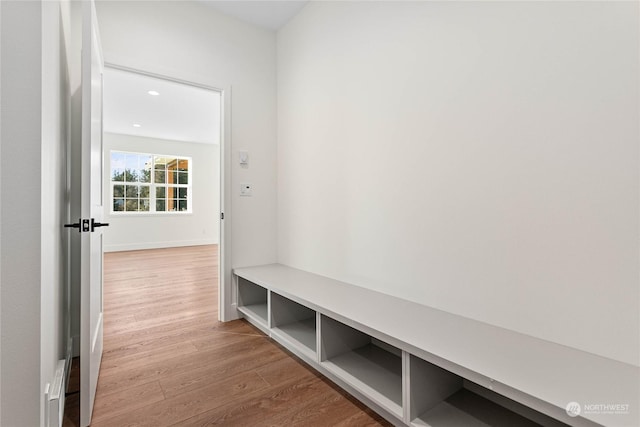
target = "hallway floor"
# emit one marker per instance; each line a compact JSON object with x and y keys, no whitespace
{"x":169,"y":362}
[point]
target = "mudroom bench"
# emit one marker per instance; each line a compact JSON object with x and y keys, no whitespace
{"x":419,"y":366}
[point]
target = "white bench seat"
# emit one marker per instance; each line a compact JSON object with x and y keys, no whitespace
{"x":538,"y":374}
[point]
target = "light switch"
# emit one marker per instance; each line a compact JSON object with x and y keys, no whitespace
{"x":243,"y":156}
{"x":245,"y":189}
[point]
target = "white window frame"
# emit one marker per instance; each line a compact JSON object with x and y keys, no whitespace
{"x":152,"y":186}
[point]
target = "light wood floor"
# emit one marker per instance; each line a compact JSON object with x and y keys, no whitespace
{"x":169,"y":362}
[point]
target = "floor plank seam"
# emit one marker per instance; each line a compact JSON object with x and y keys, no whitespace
{"x":240,"y":333}
{"x":258,"y":374}
{"x":164,"y":393}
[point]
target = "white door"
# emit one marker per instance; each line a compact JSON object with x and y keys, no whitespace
{"x":92,"y":213}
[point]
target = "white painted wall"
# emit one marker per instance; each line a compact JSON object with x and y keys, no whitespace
{"x":21,"y":270}
{"x":34,"y":117}
{"x":477,"y":157}
{"x":131,"y":232}
{"x":1,"y":259}
{"x":193,"y":42}
{"x":55,"y":134}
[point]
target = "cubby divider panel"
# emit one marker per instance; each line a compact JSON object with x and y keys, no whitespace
{"x":294,"y":322}
{"x":372,"y":367}
{"x":429,"y":386}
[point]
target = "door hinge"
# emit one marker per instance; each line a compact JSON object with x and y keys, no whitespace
{"x":221,"y":215}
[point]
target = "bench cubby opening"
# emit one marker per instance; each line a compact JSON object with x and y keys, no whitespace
{"x":294,"y":323}
{"x":439,"y":398}
{"x":371,"y":366}
{"x":253,"y":302}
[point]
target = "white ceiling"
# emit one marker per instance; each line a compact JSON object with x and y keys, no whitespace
{"x":180,"y":112}
{"x":267,"y":14}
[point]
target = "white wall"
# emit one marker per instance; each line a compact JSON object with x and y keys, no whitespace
{"x":55,"y":134}
{"x":131,"y":232}
{"x":33,"y":114}
{"x":477,"y":157}
{"x":1,"y":259}
{"x":21,"y":92}
{"x":192,"y":42}
{"x":1,"y":262}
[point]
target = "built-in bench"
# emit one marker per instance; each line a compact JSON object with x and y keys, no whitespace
{"x":419,"y":366}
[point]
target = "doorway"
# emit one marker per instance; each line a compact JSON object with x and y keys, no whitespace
{"x":165,"y":169}
{"x":170,"y":138}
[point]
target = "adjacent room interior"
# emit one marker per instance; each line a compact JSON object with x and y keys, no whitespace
{"x":162,"y":162}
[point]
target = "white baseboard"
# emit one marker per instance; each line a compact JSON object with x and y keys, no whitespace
{"x":55,"y":397}
{"x":157,"y":245}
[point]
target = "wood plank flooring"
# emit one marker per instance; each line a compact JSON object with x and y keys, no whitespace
{"x":169,"y":362}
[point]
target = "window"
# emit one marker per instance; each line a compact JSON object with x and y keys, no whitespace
{"x":150,"y":183}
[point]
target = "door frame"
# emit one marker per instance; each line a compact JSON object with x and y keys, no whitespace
{"x":226,"y":311}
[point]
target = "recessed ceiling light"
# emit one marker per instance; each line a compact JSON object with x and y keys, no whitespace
{"x":137,"y":125}
{"x":153,"y":93}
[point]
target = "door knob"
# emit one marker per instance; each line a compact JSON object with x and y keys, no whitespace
{"x":95,"y":224}
{"x":83,"y":225}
